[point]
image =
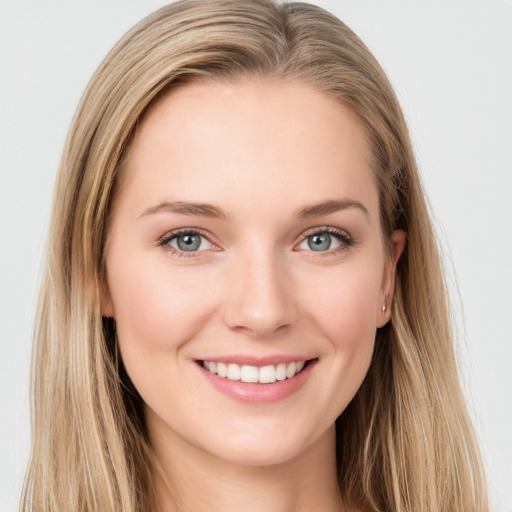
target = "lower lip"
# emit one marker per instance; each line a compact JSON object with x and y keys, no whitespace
{"x":257,"y":393}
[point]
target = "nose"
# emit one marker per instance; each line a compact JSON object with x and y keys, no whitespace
{"x":259,"y":296}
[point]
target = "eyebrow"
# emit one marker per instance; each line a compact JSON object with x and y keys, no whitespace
{"x":185,"y":208}
{"x":209,"y":210}
{"x":331,"y":206}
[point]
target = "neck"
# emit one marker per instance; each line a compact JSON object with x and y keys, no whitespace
{"x":191,"y":480}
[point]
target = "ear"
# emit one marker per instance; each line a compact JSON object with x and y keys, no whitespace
{"x":398,"y":239}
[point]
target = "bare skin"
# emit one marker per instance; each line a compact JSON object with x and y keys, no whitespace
{"x":247,"y":231}
{"x":203,"y":484}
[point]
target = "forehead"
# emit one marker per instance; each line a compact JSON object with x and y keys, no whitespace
{"x":248,"y":143}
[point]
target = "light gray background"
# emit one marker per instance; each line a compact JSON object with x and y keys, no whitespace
{"x":451,"y":64}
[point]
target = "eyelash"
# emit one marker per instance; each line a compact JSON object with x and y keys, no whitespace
{"x":168,"y":237}
{"x":343,"y":237}
{"x":346,"y":241}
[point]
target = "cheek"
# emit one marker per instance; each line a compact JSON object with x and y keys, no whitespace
{"x":155,"y":311}
{"x":345,"y":301}
{"x":346,"y":315}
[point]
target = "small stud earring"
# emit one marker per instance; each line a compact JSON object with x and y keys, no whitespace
{"x":384,"y":308}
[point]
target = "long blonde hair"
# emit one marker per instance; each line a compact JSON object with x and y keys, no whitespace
{"x":405,"y":442}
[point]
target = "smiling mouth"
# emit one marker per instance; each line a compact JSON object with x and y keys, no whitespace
{"x":267,"y":374}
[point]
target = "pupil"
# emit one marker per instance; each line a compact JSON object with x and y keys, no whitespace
{"x":319,"y":242}
{"x":189,"y":242}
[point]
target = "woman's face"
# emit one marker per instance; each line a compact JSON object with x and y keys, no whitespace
{"x":245,"y":237}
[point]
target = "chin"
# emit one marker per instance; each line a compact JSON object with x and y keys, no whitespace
{"x":268,"y":447}
{"x":264,"y":454}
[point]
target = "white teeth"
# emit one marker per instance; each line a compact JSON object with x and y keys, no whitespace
{"x":263,"y":374}
{"x":233,"y":372}
{"x":281,"y":371}
{"x":249,"y":374}
{"x":267,"y":374}
{"x":291,"y":369}
{"x":222,"y":370}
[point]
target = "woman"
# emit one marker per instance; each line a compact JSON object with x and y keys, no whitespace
{"x":243,"y":306}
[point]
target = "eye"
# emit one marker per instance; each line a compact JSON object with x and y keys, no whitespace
{"x":325,"y":239}
{"x":186,"y":241}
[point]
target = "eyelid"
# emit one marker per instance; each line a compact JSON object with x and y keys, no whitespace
{"x":164,"y":240}
{"x":343,"y":237}
{"x":325,"y":229}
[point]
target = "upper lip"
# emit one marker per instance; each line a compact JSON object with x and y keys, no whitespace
{"x":257,"y":360}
